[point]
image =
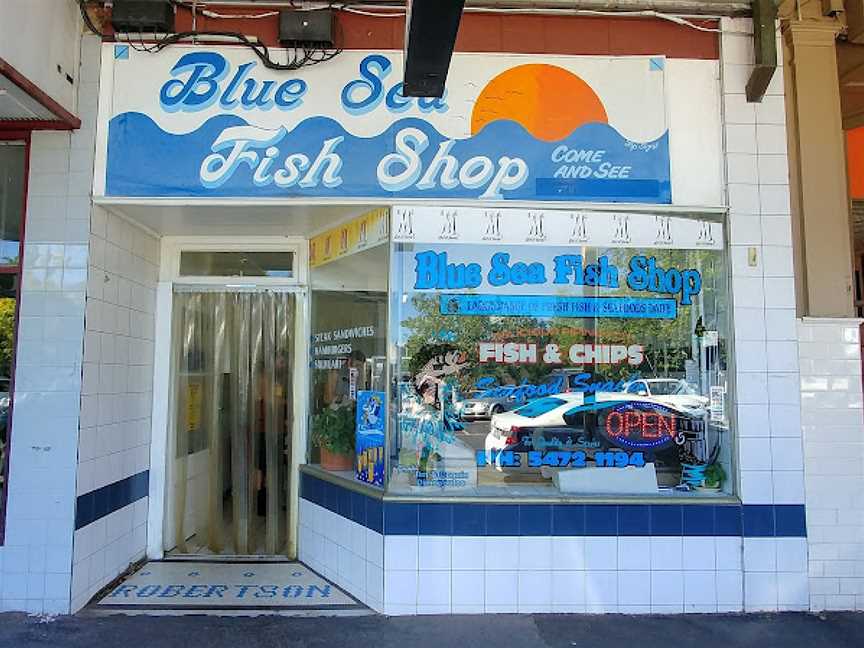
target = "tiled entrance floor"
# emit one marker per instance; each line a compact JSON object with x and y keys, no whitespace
{"x":218,"y":585}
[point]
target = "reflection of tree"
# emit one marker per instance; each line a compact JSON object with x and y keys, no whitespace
{"x":668,"y":343}
{"x":7,"y":334}
{"x":465,"y":332}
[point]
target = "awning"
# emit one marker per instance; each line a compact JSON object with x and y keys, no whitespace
{"x":25,"y":106}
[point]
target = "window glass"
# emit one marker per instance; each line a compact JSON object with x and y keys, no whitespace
{"x":11,"y":202}
{"x":636,"y":387}
{"x":237,"y":264}
{"x":538,"y":407}
{"x":551,"y":369}
{"x":348,"y":365}
{"x":12,"y":173}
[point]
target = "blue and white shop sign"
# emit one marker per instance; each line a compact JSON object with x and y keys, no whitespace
{"x":212,"y":122}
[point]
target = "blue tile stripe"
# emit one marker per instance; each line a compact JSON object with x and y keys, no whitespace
{"x":462,"y":519}
{"x":96,"y":504}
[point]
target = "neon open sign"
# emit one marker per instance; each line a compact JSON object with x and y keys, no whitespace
{"x":641,"y":425}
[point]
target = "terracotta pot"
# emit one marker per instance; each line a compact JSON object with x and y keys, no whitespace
{"x":332,"y":461}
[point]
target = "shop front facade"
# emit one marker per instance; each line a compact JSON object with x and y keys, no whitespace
{"x":528,"y":347}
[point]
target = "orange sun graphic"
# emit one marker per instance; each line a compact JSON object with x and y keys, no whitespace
{"x":548,"y":101}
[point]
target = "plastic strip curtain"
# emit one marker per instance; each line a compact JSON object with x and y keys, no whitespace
{"x":284,"y":311}
{"x":237,"y":349}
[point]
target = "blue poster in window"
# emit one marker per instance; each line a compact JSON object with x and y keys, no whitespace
{"x":370,"y":437}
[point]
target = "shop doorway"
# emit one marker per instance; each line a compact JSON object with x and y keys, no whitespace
{"x":230,"y":485}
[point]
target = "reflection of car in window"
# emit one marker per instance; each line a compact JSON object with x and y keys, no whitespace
{"x":670,"y":391}
{"x":507,"y":430}
{"x":476,"y":406}
{"x":613,"y":420}
{"x":540,"y":407}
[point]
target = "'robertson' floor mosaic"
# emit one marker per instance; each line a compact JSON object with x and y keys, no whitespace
{"x":186,"y":585}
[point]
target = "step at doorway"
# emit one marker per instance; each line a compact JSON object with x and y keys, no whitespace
{"x":222,"y":587}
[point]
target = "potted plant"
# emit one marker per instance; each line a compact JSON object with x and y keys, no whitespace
{"x":333,"y":433}
{"x":714,"y":477}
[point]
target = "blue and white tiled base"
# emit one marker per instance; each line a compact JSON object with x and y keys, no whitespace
{"x":344,"y":552}
{"x":465,"y":558}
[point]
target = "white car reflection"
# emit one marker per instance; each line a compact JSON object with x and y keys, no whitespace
{"x":670,"y":391}
{"x":544,"y":412}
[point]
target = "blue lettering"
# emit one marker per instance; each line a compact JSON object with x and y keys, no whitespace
{"x":322,"y":592}
{"x":691,"y":281}
{"x":425,"y":271}
{"x":262,"y":100}
{"x":228,"y":99}
{"x":290,"y":94}
{"x":292,"y":591}
{"x":430,"y":104}
{"x":646,"y":275}
{"x":520,"y":393}
{"x":499,"y":272}
{"x":267,"y":591}
{"x":148,"y":591}
{"x":124,"y":590}
{"x":433,"y":271}
{"x":395,"y":101}
{"x":637,"y":279}
{"x":373,"y":69}
{"x":198,"y":91}
{"x":217,"y":590}
{"x":171,"y":591}
{"x":202,"y":87}
{"x":196,"y":591}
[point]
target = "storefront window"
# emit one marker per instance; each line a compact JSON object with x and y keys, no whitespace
{"x":546,"y":353}
{"x":348,"y":356}
{"x":12,"y":183}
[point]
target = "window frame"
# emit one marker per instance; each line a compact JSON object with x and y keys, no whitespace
{"x":8,"y":138}
{"x":731,"y":490}
{"x":173,"y":246}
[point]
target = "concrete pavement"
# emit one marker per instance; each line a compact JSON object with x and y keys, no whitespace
{"x":839,"y":630}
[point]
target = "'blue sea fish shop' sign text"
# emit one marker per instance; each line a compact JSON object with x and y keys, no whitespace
{"x":201,"y":123}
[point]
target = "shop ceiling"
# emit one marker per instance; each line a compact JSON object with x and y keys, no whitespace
{"x":239,"y":220}
{"x":850,"y":69}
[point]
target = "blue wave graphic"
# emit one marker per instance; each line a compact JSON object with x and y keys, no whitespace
{"x":145,"y":161}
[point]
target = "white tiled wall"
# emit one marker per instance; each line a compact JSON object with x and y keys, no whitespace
{"x":116,"y":394}
{"x":833,"y":422}
{"x":530,"y":574}
{"x":770,"y":455}
{"x":36,"y":558}
{"x":343,"y":551}
{"x":770,"y":458}
{"x":405,"y":574}
{"x":118,"y":352}
{"x":105,"y":548}
{"x":78,"y":260}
